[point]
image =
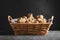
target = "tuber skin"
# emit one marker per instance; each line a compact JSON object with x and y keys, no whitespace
{"x":31,"y":19}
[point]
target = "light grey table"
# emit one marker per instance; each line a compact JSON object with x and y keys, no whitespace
{"x":52,"y":35}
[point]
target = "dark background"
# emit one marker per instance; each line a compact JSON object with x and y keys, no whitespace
{"x":17,"y":8}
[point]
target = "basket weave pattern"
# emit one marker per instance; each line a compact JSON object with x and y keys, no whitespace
{"x":39,"y":29}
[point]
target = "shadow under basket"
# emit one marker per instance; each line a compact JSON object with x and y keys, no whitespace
{"x":30,"y":29}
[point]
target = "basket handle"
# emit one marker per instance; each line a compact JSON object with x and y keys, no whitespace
{"x":52,"y":19}
{"x":9,"y":18}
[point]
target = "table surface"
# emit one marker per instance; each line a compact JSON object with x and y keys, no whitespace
{"x":52,"y":35}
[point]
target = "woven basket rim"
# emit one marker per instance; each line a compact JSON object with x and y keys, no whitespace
{"x":31,"y":23}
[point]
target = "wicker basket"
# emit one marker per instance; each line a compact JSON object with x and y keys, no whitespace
{"x":30,"y":29}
